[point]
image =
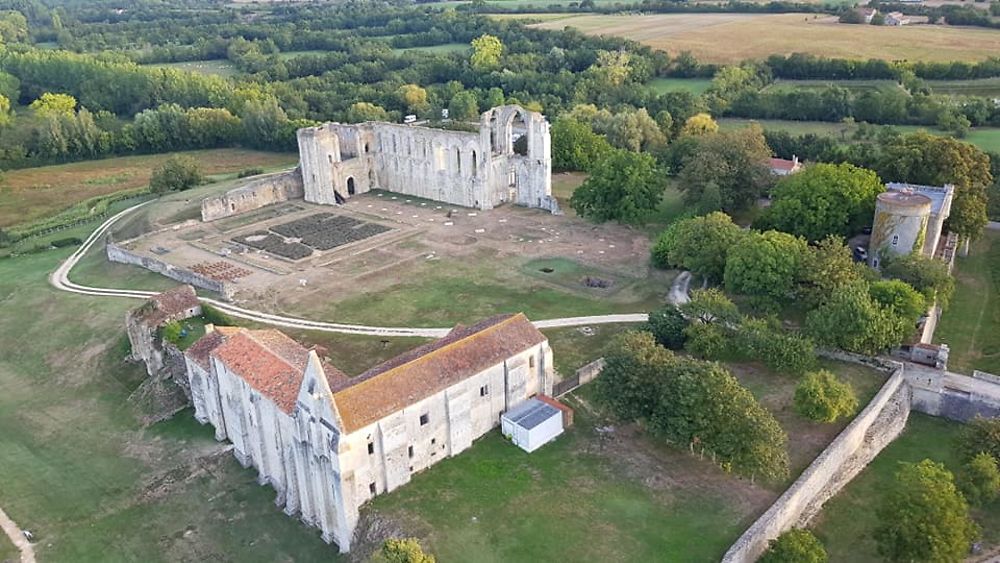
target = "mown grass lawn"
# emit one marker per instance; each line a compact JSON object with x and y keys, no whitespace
{"x":8,"y":552}
{"x":444,"y":48}
{"x":846,"y":523}
{"x":83,"y":476}
{"x":216,"y":67}
{"x":971,"y":325}
{"x":696,"y":86}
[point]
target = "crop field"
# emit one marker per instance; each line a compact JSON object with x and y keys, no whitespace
{"x":760,"y":35}
{"x":989,"y":87}
{"x":32,"y":193}
{"x":971,"y":325}
{"x":846,"y":523}
{"x":853,"y":85}
{"x":217,"y":67}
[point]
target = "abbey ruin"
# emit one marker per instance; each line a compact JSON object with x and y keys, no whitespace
{"x":506,"y":159}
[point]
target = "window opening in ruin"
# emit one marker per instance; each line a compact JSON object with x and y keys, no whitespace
{"x":330,"y":157}
{"x":519,"y":135}
{"x":433,"y":441}
{"x":409,"y":452}
{"x":458,"y":159}
{"x":424,"y":419}
{"x":394,"y":149}
{"x":350,"y":185}
{"x":531,"y":361}
{"x":371,"y":488}
{"x":895,"y":240}
{"x":475,"y":165}
{"x":366,"y":148}
{"x":484,"y":390}
{"x":495,"y":135}
{"x":232,"y":207}
{"x":439,"y":159}
{"x":371,"y":448}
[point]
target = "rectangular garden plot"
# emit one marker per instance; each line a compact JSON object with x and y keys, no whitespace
{"x":268,"y":242}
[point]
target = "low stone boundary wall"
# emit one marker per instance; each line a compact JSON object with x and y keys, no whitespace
{"x":122,"y":255}
{"x":878,"y":424}
{"x":255,"y":194}
{"x":954,"y":396}
{"x":584,"y":375}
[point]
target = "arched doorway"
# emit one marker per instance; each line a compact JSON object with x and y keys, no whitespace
{"x":350,"y":185}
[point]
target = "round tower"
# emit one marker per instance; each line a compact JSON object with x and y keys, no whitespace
{"x":900,"y":225}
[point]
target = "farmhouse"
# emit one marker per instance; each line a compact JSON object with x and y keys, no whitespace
{"x":328,"y":443}
{"x":784,"y":167}
{"x":896,"y":19}
{"x":506,"y":159}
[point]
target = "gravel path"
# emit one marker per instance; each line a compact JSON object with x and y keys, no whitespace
{"x":13,"y":532}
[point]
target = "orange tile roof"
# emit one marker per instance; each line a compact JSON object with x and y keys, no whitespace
{"x":199,"y":351}
{"x":429,"y":369}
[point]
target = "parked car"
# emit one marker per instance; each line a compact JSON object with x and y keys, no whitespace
{"x":860,"y":254}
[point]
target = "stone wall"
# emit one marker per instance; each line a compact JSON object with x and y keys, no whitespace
{"x":120,"y":254}
{"x":585,"y":374}
{"x":258,"y":193}
{"x":877,"y":425}
{"x":953,"y":396}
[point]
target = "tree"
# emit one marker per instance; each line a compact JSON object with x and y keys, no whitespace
{"x":13,"y":27}
{"x":486,"y":52}
{"x":5,"y":113}
{"x":405,"y":550}
{"x":821,"y":397}
{"x":765,"y":265}
{"x":851,"y":320}
{"x":53,"y":104}
{"x":901,"y":297}
{"x":624,"y":186}
{"x":980,"y":435}
{"x":575,"y":146}
{"x":463,"y":106}
{"x":667,"y":324}
{"x":923,"y":517}
{"x":980,"y":479}
{"x":699,"y":125}
{"x":359,"y":112}
{"x":710,"y":306}
{"x":632,"y":374}
{"x":764,"y":341}
{"x":824,"y":199}
{"x":413,"y":98}
{"x":927,"y":275}
{"x":699,"y":244}
{"x":795,"y":546}
{"x":734,"y":161}
{"x":827,"y":267}
{"x":177,"y":173}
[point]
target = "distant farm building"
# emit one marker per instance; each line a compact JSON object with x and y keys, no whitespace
{"x":784,"y":167}
{"x":896,"y":19}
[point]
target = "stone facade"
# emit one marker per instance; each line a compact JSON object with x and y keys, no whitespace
{"x":328,"y":443}
{"x":260,"y":192}
{"x":143,"y":323}
{"x":909,"y":218}
{"x":508,"y":159}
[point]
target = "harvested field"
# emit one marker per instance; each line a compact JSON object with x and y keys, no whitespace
{"x":760,"y":35}
{"x":32,"y":193}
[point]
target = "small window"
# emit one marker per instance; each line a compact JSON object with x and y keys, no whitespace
{"x":371,"y":488}
{"x":433,"y":441}
{"x":371,"y":448}
{"x":330,"y":156}
{"x":424,"y":419}
{"x":409,"y":452}
{"x":531,"y":361}
{"x":895,"y":240}
{"x":484,"y":390}
{"x":875,"y":263}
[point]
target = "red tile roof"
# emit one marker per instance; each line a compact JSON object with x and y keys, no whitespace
{"x":782,"y":164}
{"x":169,"y":305}
{"x":431,"y":368}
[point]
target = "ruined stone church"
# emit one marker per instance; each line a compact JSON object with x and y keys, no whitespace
{"x":328,"y":443}
{"x":508,"y":159}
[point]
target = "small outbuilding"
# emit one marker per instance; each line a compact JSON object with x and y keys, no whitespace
{"x":532,"y":424}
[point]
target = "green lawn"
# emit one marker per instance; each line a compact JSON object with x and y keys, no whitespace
{"x":437,"y":49}
{"x":988,"y":87}
{"x":854,"y":85}
{"x":84,"y":476}
{"x":986,"y":138}
{"x":8,"y":552}
{"x":847,"y":520}
{"x":971,"y":325}
{"x":292,"y":54}
{"x":696,"y":86}
{"x":217,"y":67}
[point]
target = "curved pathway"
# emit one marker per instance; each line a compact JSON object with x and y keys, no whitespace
{"x":13,"y":532}
{"x":60,"y":280}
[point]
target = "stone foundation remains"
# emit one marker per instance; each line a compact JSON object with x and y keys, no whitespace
{"x":117,"y":252}
{"x":274,"y":188}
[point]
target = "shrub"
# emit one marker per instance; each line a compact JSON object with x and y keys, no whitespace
{"x":822,"y":398}
{"x":667,"y":325}
{"x":249,"y":172}
{"x":980,"y":435}
{"x":215,"y":317}
{"x":708,"y":341}
{"x":177,"y":173}
{"x":406,"y":550}
{"x":68,"y":241}
{"x":980,"y":479}
{"x":795,"y":546}
{"x":171,"y":332}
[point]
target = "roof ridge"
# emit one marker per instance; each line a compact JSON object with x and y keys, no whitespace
{"x":432,"y":353}
{"x":250,"y":334}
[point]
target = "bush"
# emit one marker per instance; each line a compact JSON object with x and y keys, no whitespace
{"x":667,"y":325}
{"x":177,"y":173}
{"x":171,"y":332}
{"x":68,"y":241}
{"x":980,"y":479}
{"x":707,"y":341}
{"x":980,"y":435}
{"x":406,"y":550}
{"x":822,"y":398}
{"x":795,"y":546}
{"x":249,"y":172}
{"x":215,"y":317}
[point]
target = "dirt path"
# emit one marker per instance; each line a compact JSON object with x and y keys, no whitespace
{"x":679,"y":289}
{"x":13,"y":532}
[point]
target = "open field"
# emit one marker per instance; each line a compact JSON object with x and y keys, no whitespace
{"x":989,"y":87}
{"x":218,"y":67}
{"x":761,"y":35}
{"x":854,"y":85}
{"x":438,"y":49}
{"x":846,"y":523}
{"x":696,"y":86}
{"x":8,"y":551}
{"x":32,"y":193}
{"x":971,"y":325}
{"x":986,"y":138}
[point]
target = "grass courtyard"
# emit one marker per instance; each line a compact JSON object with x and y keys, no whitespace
{"x":847,"y":520}
{"x":971,"y":325}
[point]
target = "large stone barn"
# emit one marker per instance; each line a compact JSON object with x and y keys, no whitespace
{"x":328,"y":443}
